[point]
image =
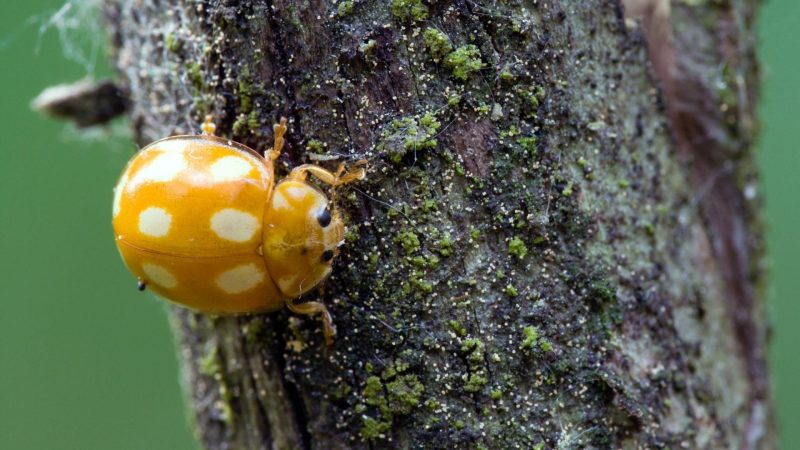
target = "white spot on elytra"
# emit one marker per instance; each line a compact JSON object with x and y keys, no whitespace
{"x":164,"y":167}
{"x":154,"y":222}
{"x":230,"y":168}
{"x":171,"y":145}
{"x":159,"y":275}
{"x":296,"y":193}
{"x":118,"y":192}
{"x":234,"y":225}
{"x":240,"y":279}
{"x":279,"y":201}
{"x":287,"y":283}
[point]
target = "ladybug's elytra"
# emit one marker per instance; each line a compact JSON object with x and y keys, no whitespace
{"x":201,"y":222}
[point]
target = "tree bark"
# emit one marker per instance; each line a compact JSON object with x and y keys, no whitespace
{"x":558,"y":244}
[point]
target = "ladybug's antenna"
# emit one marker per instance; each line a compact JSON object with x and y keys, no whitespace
{"x":357,"y":172}
{"x":208,"y":126}
{"x":280,"y":130}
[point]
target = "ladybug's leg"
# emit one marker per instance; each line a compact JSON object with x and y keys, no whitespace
{"x":277,"y":146}
{"x":310,"y":308}
{"x":208,"y":126}
{"x":300,"y":173}
{"x":334,"y":179}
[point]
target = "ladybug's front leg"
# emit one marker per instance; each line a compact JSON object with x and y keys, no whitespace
{"x":310,"y":308}
{"x":300,"y":173}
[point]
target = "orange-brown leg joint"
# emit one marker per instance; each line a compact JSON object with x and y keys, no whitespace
{"x":310,"y":308}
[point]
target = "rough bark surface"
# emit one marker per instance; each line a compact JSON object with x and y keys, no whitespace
{"x":538,"y":258}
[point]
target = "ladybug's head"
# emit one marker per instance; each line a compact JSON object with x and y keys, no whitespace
{"x":301,"y":237}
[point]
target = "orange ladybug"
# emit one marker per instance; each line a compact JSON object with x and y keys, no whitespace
{"x":201,"y":222}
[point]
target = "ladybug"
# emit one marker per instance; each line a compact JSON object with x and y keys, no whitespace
{"x":201,"y":221}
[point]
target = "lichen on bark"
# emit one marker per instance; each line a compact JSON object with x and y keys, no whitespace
{"x":528,"y":263}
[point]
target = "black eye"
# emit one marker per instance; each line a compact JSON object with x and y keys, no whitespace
{"x":327,"y":255}
{"x":324,"y":218}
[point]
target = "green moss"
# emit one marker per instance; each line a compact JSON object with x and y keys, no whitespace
{"x":463,"y":61}
{"x":567,"y":191}
{"x":507,"y":76}
{"x":404,"y":394}
{"x":225,"y":412}
{"x":253,"y":121}
{"x":373,"y":391}
{"x":459,"y":424}
{"x":423,"y":285}
{"x":582,"y":162}
{"x":511,"y":291}
{"x":398,"y":366}
{"x":209,"y":363}
{"x":475,"y":234}
{"x":413,"y":10}
{"x":352,"y":234}
{"x":195,"y":75}
{"x":341,"y":391}
{"x":516,"y":247}
{"x":245,"y":123}
{"x":368,"y":367}
{"x":392,"y":394}
{"x":474,"y":382}
{"x":409,"y":134}
{"x":437,"y":43}
{"x":474,"y":349}
{"x":538,"y":96}
{"x":409,"y":241}
{"x":649,"y":228}
{"x":429,"y":121}
{"x":533,"y":96}
{"x":453,"y":100}
{"x":373,"y":430}
{"x":623,"y":184}
{"x":603,"y":292}
{"x":528,"y":143}
{"x":418,"y":261}
{"x":509,"y":132}
{"x":432,"y":404}
{"x":531,"y":335}
{"x":445,"y":245}
{"x":315,"y":145}
{"x":244,"y":91}
{"x":172,"y":43}
{"x":545,"y":345}
{"x":345,"y":8}
{"x":496,"y":394}
{"x":424,"y":262}
{"x":458,"y":328}
{"x":239,"y":124}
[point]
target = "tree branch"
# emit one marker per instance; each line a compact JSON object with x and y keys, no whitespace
{"x":527,"y":263}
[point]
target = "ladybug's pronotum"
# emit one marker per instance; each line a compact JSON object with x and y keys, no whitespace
{"x":201,"y":221}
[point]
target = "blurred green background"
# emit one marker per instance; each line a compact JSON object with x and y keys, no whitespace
{"x":87,"y":362}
